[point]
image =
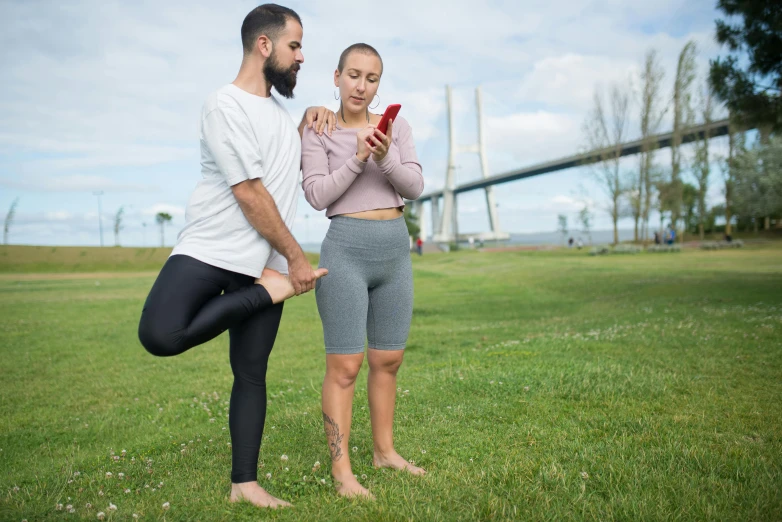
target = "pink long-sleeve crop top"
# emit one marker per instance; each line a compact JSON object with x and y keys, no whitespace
{"x":335,"y":179}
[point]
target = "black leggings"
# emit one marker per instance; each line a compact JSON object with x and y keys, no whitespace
{"x":192,"y":302}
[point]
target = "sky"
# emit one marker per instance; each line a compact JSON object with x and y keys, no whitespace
{"x":105,"y":97}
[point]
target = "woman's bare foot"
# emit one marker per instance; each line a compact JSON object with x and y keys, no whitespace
{"x":278,"y":285}
{"x":395,"y":461}
{"x":350,"y":487}
{"x":252,"y":492}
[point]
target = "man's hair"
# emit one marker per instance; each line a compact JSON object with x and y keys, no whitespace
{"x":266,"y":19}
{"x":358,"y":48}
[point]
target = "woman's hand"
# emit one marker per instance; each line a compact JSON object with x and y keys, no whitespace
{"x":363,"y":148}
{"x":381,"y":142}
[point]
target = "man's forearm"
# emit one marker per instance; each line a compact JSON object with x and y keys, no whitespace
{"x":261,"y":211}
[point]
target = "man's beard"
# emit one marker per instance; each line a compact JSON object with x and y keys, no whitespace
{"x":283,"y":80}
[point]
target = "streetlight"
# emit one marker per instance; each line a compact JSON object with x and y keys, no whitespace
{"x":99,"y":193}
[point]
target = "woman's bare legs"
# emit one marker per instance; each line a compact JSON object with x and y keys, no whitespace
{"x":381,"y":389}
{"x":338,"y":387}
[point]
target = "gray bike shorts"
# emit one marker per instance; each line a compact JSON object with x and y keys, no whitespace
{"x":368,"y":292}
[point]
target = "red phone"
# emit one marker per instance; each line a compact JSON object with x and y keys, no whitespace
{"x":390,"y":114}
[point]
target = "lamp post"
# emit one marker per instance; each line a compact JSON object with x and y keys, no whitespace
{"x":99,"y":193}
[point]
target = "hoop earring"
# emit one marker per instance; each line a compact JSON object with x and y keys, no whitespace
{"x":378,"y":102}
{"x":336,"y":96}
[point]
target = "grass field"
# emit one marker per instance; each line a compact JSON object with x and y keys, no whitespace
{"x":536,"y":386}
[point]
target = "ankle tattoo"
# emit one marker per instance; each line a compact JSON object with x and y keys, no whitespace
{"x":333,"y":436}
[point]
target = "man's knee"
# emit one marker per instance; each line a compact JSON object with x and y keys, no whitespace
{"x":157,"y":340}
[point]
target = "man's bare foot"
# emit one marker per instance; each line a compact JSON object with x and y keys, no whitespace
{"x":395,"y":461}
{"x":349,"y":487}
{"x":278,"y":285}
{"x":253,"y":493}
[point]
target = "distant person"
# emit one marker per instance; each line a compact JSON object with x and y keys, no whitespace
{"x":225,"y":272}
{"x":579,"y":244}
{"x":671,"y":235}
{"x":360,"y":176}
{"x":728,"y":238}
{"x":657,"y":240}
{"x":471,"y":242}
{"x":419,"y":245}
{"x":570,"y":243}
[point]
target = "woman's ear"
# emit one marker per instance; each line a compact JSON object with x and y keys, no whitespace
{"x":336,"y":77}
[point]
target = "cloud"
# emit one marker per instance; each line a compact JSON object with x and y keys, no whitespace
{"x":106,"y":95}
{"x":73,"y":183}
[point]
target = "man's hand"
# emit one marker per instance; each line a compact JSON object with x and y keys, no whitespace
{"x":302,"y":276}
{"x":318,"y":119}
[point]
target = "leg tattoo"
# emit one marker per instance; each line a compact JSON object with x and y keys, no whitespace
{"x":333,"y":436}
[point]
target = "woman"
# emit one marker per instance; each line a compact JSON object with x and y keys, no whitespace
{"x":360,"y":175}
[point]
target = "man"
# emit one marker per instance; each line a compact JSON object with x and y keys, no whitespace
{"x":225,"y":270}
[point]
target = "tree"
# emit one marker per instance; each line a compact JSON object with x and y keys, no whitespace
{"x":118,"y":224}
{"x":652,"y":113}
{"x":749,"y":79}
{"x":562,"y":226}
{"x":411,"y":220}
{"x":606,"y":132}
{"x":585,"y":219}
{"x":701,"y":164}
{"x":162,"y":218}
{"x":757,"y":181}
{"x":9,"y":219}
{"x":682,"y":118}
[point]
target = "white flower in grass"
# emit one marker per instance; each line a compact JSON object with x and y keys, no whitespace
{"x":323,"y":481}
{"x":160,"y":485}
{"x":101,"y":515}
{"x":355,"y":449}
{"x":135,"y":515}
{"x":584,"y":475}
{"x":284,"y":458}
{"x":363,"y":476}
{"x":71,"y":510}
{"x":268,"y":476}
{"x":316,"y":466}
{"x":115,"y":458}
{"x":212,"y":419}
{"x":58,"y":507}
{"x":304,"y":478}
{"x":423,"y":452}
{"x":100,"y":493}
{"x":127,"y":490}
{"x":526,"y":388}
{"x":69,"y":507}
{"x":123,"y":452}
{"x":166,"y":506}
{"x":109,"y":474}
{"x":76,"y":473}
{"x":121,"y":475}
{"x":286,"y":469}
{"x":153,"y":490}
{"x":15,"y":489}
{"x":88,"y":505}
{"x":112,"y":507}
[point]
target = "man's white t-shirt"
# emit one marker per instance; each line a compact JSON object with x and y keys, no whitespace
{"x":243,"y":136}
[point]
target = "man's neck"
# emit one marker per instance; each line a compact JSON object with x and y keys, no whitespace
{"x":251,"y":78}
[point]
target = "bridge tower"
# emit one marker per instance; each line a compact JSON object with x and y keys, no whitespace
{"x":445,"y":223}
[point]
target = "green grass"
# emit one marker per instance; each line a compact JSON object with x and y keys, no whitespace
{"x":657,"y":377}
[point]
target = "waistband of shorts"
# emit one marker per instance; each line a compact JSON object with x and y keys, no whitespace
{"x":369,"y":233}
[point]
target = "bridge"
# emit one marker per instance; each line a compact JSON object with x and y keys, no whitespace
{"x":444,"y":224}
